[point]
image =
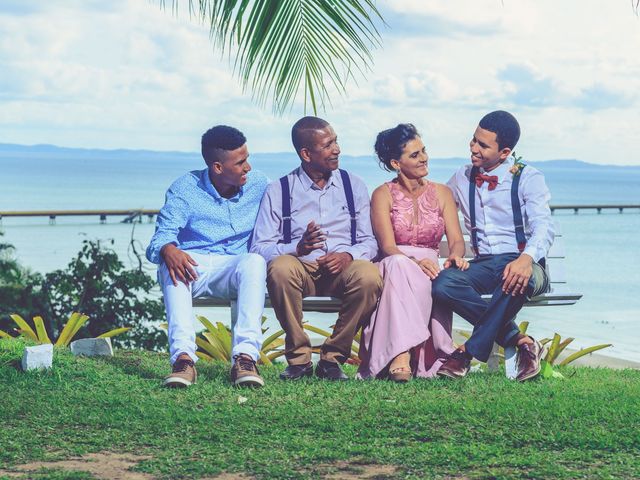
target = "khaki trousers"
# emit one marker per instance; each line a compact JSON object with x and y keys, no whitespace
{"x":290,"y":279}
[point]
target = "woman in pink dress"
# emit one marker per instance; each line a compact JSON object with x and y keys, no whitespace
{"x":407,"y":335}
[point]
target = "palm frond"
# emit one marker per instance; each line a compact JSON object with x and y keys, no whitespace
{"x":285,"y":45}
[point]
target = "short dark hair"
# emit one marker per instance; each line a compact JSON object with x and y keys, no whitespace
{"x":302,"y":131}
{"x":391,"y":142}
{"x":504,"y":125}
{"x":220,"y":137}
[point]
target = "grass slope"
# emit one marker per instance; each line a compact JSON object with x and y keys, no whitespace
{"x":586,"y":426}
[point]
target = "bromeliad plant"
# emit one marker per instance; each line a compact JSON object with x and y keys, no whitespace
{"x":71,"y":328}
{"x":555,"y":346}
{"x":215,"y":342}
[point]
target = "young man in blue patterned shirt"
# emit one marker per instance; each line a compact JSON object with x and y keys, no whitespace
{"x":201,"y":244}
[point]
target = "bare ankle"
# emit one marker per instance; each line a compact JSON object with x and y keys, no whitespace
{"x":522,"y":339}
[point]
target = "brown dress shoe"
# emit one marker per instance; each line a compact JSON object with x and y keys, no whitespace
{"x":183,"y":373}
{"x":455,"y":366}
{"x":529,"y":355}
{"x":244,"y":372}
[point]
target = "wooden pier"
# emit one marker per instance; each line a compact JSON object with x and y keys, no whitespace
{"x":135,"y":215}
{"x":131,"y":215}
{"x":598,"y":208}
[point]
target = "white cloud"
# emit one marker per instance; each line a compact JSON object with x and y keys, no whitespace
{"x":126,"y":74}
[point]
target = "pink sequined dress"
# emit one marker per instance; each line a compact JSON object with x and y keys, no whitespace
{"x":405,"y":318}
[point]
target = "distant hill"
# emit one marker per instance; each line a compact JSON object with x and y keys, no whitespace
{"x":9,"y":150}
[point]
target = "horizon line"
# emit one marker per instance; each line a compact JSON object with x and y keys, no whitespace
{"x":179,"y":152}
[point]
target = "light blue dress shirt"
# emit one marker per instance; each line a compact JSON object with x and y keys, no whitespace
{"x":325,"y":206}
{"x":494,"y":216}
{"x":196,"y":218}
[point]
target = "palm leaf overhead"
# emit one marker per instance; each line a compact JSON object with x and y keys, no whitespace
{"x":285,"y":46}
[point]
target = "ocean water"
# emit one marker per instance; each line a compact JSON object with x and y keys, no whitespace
{"x":601,"y":249}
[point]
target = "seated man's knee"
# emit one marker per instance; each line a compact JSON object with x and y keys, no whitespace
{"x":443,"y":287}
{"x":253,"y":261}
{"x":282,"y":267}
{"x":253,"y":264}
{"x":366,"y":274}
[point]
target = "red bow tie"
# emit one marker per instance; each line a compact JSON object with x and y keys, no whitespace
{"x":492,"y":180}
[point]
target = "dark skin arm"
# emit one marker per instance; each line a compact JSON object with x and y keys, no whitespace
{"x":312,"y":239}
{"x":179,"y":263}
{"x":335,"y":262}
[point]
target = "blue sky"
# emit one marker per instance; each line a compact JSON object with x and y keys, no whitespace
{"x":125,"y":74}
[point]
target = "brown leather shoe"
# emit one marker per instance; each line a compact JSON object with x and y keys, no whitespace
{"x":244,"y":372}
{"x":455,"y":366}
{"x":183,"y":373}
{"x":529,"y":355}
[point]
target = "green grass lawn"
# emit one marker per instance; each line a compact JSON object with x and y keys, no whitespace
{"x":585,"y":426}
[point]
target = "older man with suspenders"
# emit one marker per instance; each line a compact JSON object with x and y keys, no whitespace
{"x":314,"y":230}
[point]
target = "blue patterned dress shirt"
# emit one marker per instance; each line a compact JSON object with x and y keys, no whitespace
{"x":196,"y":218}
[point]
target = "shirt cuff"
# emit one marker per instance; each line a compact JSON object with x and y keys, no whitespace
{"x":533,"y":253}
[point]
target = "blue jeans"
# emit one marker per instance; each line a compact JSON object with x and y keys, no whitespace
{"x":492,"y":322}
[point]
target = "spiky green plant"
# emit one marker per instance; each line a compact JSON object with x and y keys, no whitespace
{"x":215,"y":342}
{"x":71,"y":328}
{"x":556,"y":346}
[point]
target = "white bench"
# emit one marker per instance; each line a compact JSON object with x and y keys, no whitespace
{"x":559,"y":293}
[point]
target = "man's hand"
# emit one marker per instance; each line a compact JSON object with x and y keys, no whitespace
{"x":430,"y":269}
{"x":335,"y":262}
{"x":457,"y":262}
{"x":312,"y":239}
{"x":179,"y":264}
{"x":516,"y":275}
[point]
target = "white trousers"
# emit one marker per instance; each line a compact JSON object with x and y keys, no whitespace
{"x":240,"y":278}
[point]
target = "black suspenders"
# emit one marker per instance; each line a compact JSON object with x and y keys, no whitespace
{"x":515,"y":206}
{"x":348,"y":192}
{"x":286,"y":210}
{"x":286,"y":206}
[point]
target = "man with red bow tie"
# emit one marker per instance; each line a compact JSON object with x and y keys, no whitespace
{"x":505,"y":205}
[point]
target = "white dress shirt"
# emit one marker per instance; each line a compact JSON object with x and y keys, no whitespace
{"x":325,"y":206}
{"x":494,"y":216}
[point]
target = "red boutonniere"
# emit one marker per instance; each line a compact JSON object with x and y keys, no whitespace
{"x":518,"y":164}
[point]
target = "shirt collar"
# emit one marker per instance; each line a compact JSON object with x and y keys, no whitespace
{"x":502,"y":171}
{"x":211,"y":190}
{"x":307,"y":183}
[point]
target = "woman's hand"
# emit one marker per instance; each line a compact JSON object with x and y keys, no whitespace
{"x":457,"y":262}
{"x":430,"y":269}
